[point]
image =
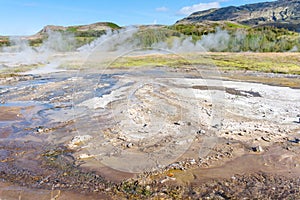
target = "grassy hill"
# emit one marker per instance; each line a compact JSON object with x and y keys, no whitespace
{"x":82,"y":33}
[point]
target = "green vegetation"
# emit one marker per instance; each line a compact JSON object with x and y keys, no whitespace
{"x":112,"y":25}
{"x":36,"y":42}
{"x":82,"y":34}
{"x":15,"y":70}
{"x":244,"y":38}
{"x":263,"y":39}
{"x":241,"y":37}
{"x":146,"y":37}
{"x":7,"y":75}
{"x":287,"y":63}
{"x":4,"y":41}
{"x":231,"y":25}
{"x":151,"y":60}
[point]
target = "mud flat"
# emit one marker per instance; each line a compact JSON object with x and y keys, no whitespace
{"x":149,"y":133}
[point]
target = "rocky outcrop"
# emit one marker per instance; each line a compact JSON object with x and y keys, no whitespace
{"x":281,"y":13}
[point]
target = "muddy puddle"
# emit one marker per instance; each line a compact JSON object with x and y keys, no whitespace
{"x":147,"y":133}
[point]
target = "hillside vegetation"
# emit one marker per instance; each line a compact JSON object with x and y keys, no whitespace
{"x":236,"y":37}
{"x":82,"y":34}
{"x":244,"y":38}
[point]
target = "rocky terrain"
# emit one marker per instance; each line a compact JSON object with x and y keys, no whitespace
{"x":281,"y":13}
{"x":148,"y":133}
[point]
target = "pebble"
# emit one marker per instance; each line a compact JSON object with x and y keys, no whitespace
{"x":84,"y":156}
{"x":168,"y":179}
{"x":201,"y":132}
{"x":257,"y":149}
{"x":129,"y":145}
{"x":39,"y":130}
{"x":123,"y":138}
{"x":77,"y":140}
{"x":267,"y":139}
{"x":192,"y":161}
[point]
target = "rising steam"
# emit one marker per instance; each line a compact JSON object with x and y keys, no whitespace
{"x":59,"y":49}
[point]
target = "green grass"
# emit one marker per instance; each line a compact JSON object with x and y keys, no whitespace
{"x":150,"y":61}
{"x":235,"y":25}
{"x":72,"y":29}
{"x":112,"y":25}
{"x":15,"y":70}
{"x":286,"y":63}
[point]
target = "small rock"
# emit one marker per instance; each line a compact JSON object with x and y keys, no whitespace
{"x":257,"y":149}
{"x":78,"y":140}
{"x":201,"y":132}
{"x":192,"y":161}
{"x":167,"y":179}
{"x":177,"y":123}
{"x":85,"y":186}
{"x":129,"y":145}
{"x":84,"y":156}
{"x":123,"y":138}
{"x":39,"y":130}
{"x":267,"y":139}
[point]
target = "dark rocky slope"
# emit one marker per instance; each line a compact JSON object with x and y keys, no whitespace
{"x":281,"y":13}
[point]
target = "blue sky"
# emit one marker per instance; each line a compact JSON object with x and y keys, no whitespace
{"x":26,"y":17}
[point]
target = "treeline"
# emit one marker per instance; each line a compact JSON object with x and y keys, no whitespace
{"x":264,"y":39}
{"x":244,"y":38}
{"x":146,"y":37}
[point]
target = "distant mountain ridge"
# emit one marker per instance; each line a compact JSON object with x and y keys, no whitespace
{"x":281,"y":14}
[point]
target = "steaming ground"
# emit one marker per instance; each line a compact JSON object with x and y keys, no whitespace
{"x":59,"y":50}
{"x":143,"y":132}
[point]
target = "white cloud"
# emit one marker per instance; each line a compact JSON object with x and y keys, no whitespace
{"x":187,"y":10}
{"x":162,"y":9}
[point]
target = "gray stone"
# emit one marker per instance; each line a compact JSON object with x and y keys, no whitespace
{"x":257,"y":149}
